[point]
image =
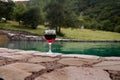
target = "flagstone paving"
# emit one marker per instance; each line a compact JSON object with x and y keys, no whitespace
{"x":75,"y":73}
{"x":42,"y":59}
{"x":34,"y":65}
{"x":108,"y":65}
{"x":18,"y":57}
{"x":28,"y":67}
{"x":77,"y":61}
{"x":12,"y":73}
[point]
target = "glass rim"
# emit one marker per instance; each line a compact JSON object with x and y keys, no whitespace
{"x":50,"y":31}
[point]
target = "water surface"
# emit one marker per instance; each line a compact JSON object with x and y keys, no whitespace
{"x":89,"y":48}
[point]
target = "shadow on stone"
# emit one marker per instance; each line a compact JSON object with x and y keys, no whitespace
{"x":1,"y":79}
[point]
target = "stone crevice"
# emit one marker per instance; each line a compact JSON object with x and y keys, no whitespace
{"x":47,"y":70}
{"x":35,"y":74}
{"x":114,"y":75}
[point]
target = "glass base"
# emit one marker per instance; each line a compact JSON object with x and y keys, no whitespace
{"x":50,"y":51}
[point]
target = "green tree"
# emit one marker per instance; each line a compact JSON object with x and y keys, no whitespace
{"x":107,"y":25}
{"x":40,"y":4}
{"x":6,"y":9}
{"x":101,"y":11}
{"x":59,"y":14}
{"x":31,"y":18}
{"x":117,"y":29}
{"x":19,"y":9}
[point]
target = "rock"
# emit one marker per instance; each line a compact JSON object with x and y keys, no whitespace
{"x":47,"y":54}
{"x":75,"y":73}
{"x":34,"y":65}
{"x":77,"y":61}
{"x":112,"y":58}
{"x":18,"y":57}
{"x":2,"y":50}
{"x":29,"y":67}
{"x":81,"y":56}
{"x":42,"y":59}
{"x":115,"y":75}
{"x":2,"y":62}
{"x":5,"y":54}
{"x":26,"y":52}
{"x":108,"y":65}
{"x":12,"y":73}
{"x":5,"y":50}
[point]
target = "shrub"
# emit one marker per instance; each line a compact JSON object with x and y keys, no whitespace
{"x":117,"y":29}
{"x":31,"y":18}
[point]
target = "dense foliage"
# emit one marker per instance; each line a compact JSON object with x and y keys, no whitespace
{"x":31,"y":18}
{"x":59,"y":14}
{"x":92,"y":14}
{"x":19,"y":9}
{"x":99,"y":14}
{"x":6,"y":9}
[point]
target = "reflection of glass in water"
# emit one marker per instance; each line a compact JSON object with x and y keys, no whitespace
{"x":50,"y":36}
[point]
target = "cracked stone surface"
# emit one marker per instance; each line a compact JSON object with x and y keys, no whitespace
{"x":28,"y":67}
{"x":75,"y":73}
{"x":108,"y":65}
{"x":2,"y":62}
{"x":34,"y":65}
{"x":77,"y":61}
{"x":18,"y":57}
{"x":42,"y":59}
{"x":26,"y":52}
{"x":12,"y":73}
{"x":2,"y":50}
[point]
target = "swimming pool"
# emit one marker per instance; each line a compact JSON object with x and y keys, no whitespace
{"x":88,"y":48}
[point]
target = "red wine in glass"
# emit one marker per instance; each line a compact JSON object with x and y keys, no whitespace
{"x":50,"y":36}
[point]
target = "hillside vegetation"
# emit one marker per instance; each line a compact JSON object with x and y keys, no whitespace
{"x":77,"y":33}
{"x":100,"y":19}
{"x":92,"y":14}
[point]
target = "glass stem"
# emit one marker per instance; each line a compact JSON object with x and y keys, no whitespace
{"x":50,"y":51}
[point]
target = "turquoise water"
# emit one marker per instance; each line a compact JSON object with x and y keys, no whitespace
{"x":89,"y":48}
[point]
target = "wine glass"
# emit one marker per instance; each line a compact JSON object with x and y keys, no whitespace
{"x":50,"y":36}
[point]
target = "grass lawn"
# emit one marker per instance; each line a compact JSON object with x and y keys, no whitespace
{"x":82,"y":34}
{"x":10,"y":25}
{"x":87,"y":34}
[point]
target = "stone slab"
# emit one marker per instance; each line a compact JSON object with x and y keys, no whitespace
{"x":112,"y":58}
{"x":5,"y":54}
{"x":12,"y":73}
{"x":47,"y":54}
{"x":2,"y":62}
{"x":42,"y":59}
{"x":108,"y":65}
{"x":112,"y":67}
{"x":77,"y":61}
{"x":18,"y":57}
{"x":3,"y":50}
{"x":81,"y":56}
{"x":29,"y":67}
{"x":75,"y":73}
{"x":26,"y":52}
